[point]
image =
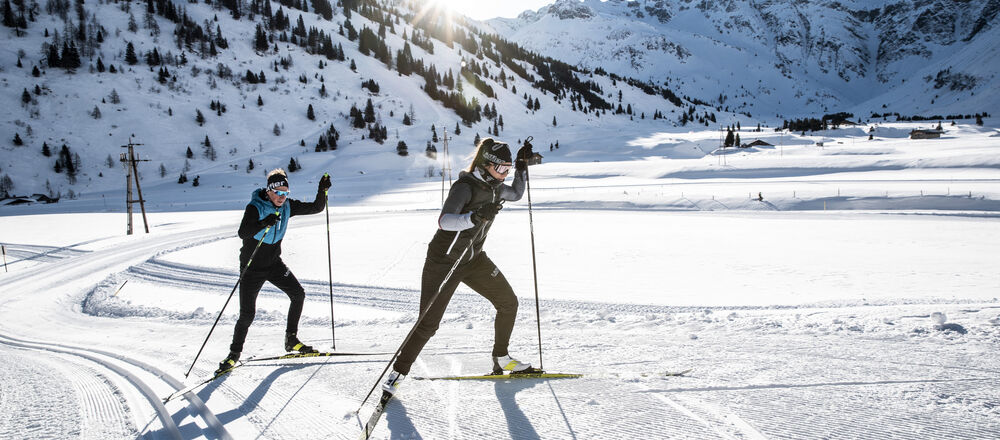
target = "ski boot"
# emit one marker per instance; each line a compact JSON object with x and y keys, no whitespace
{"x":507,"y":363}
{"x":228,"y":363}
{"x":293,"y":343}
{"x":391,"y":384}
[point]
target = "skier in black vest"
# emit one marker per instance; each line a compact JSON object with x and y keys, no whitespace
{"x":468,"y":212}
{"x":265,"y":221}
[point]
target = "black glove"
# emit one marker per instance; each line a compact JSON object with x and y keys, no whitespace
{"x":269,"y":221}
{"x":486,"y":212}
{"x":324,"y":183}
{"x":523,"y":155}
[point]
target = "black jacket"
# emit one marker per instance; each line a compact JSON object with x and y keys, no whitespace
{"x":269,"y":254}
{"x":467,"y":195}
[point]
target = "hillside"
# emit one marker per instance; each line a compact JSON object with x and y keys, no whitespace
{"x":252,"y":71}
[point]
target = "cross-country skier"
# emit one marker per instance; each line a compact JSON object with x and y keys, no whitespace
{"x":266,"y":217}
{"x":471,"y":205}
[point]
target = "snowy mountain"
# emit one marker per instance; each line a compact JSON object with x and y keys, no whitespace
{"x":784,"y":57}
{"x":215,"y":88}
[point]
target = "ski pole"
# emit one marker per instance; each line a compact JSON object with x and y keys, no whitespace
{"x":4,"y":248}
{"x":329,"y":259}
{"x":534,"y":266}
{"x":250,"y":261}
{"x":423,"y":312}
{"x":120,"y":288}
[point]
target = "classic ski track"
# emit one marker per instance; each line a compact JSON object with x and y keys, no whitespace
{"x":20,"y":409}
{"x":103,"y":408}
{"x":169,"y":426}
{"x":163,"y":272}
{"x":19,"y":253}
{"x":41,"y":277}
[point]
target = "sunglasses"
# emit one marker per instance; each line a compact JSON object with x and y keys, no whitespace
{"x":282,"y":193}
{"x":502,"y":168}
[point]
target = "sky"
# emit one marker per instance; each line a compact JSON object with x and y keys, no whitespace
{"x":482,"y":10}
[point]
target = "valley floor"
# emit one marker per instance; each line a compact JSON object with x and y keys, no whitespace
{"x":791,"y":326}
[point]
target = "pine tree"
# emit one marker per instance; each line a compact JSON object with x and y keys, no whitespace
{"x":369,"y":111}
{"x":130,"y":57}
{"x":70,"y":56}
{"x":17,"y":139}
{"x":260,"y":39}
{"x":260,"y":102}
{"x":8,"y":14}
{"x":401,"y":149}
{"x":45,"y":150}
{"x":553,"y":121}
{"x":25,"y":96}
{"x":310,"y":114}
{"x":406,"y":119}
{"x":53,"y":56}
{"x":458,"y":130}
{"x":200,"y":119}
{"x":434,"y":133}
{"x":250,"y":165}
{"x":195,"y":181}
{"x":979,"y":119}
{"x":189,"y":154}
{"x":163,"y":171}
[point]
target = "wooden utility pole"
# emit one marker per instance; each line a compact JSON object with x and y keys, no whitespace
{"x":129,"y":160}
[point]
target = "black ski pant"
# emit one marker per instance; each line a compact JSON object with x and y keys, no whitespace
{"x":482,"y":276}
{"x":282,"y":278}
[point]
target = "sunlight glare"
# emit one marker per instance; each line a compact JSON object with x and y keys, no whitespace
{"x":472,"y":9}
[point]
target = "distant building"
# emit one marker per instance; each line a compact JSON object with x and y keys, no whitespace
{"x":926,"y":134}
{"x":27,"y":200}
{"x":535,"y":159}
{"x":757,"y":143}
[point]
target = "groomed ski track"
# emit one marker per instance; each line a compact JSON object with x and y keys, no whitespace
{"x":846,"y":371}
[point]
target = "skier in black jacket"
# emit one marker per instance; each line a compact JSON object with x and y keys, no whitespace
{"x":464,"y":222}
{"x":265,"y":221}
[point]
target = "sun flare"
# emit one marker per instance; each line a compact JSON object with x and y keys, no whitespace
{"x":448,"y":8}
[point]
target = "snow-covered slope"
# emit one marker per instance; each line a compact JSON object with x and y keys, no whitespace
{"x":785,"y":57}
{"x":266,"y":123}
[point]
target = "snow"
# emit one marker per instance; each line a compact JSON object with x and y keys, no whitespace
{"x":876,"y":317}
{"x":848,"y":290}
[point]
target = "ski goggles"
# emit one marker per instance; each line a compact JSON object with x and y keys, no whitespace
{"x":282,"y":193}
{"x":502,"y":168}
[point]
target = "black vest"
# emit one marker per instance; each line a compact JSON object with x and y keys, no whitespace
{"x":447,"y":246}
